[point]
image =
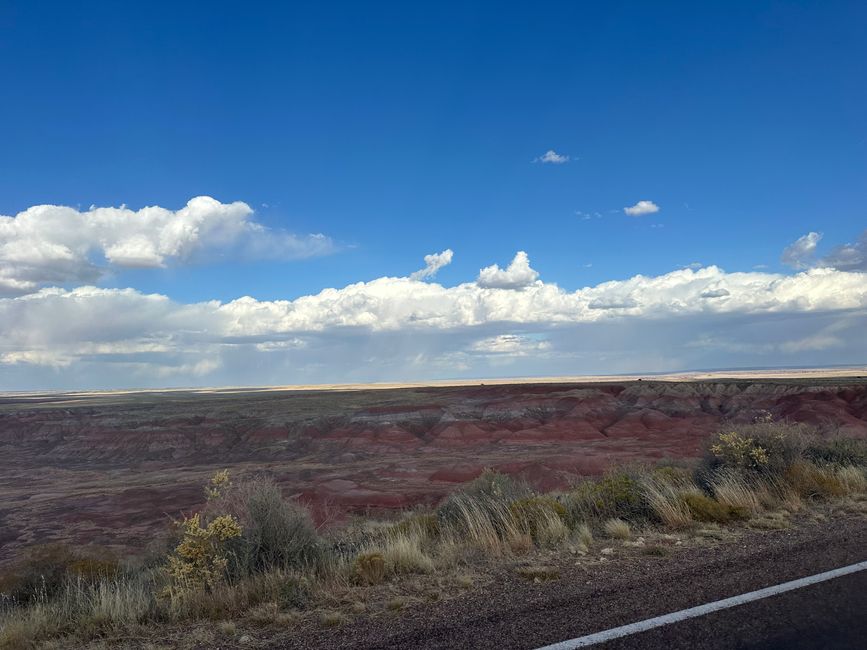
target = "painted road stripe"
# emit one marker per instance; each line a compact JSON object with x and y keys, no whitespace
{"x":701,"y":610}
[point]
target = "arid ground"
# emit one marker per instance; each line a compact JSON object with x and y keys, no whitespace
{"x":113,"y":468}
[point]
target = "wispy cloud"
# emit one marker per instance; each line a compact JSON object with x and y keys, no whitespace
{"x":800,"y":253}
{"x":433,"y":263}
{"x":850,"y":257}
{"x":552,"y":157}
{"x":641,"y":208}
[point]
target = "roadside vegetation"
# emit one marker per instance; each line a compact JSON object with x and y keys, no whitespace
{"x":252,"y":560}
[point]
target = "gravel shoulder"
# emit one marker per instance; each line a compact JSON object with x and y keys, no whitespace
{"x":515,"y":613}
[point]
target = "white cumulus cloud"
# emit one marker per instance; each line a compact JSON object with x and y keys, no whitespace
{"x":52,"y":244}
{"x":552,"y":157}
{"x":641,"y":208}
{"x":517,"y":275}
{"x":433,"y":263}
{"x":800,"y":253}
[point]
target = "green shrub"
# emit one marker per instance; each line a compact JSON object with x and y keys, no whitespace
{"x":39,"y":574}
{"x":533,"y":514}
{"x":671,"y":475}
{"x":91,"y":569}
{"x":293,"y":592}
{"x":764,"y":448}
{"x":703,"y":508}
{"x":838,"y":451}
{"x":616,"y":495}
{"x":426,"y":525}
{"x":44,"y":570}
{"x":489,"y":486}
{"x":277,"y":533}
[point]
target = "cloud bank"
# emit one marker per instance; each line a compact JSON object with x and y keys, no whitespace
{"x":508,"y":322}
{"x":52,"y":244}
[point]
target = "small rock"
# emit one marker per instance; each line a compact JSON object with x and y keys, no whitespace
{"x":245,"y":638}
{"x":607,"y":551}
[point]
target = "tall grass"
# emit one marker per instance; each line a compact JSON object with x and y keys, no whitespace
{"x":666,"y":501}
{"x":402,"y":554}
{"x":732,"y":489}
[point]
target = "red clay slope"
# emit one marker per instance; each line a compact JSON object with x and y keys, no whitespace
{"x":112,"y":469}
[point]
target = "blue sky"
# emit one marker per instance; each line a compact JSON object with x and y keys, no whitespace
{"x":397,"y":130}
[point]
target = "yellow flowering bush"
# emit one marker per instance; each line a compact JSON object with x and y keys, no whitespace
{"x":199,"y":560}
{"x":218,"y":485}
{"x":741,"y":451}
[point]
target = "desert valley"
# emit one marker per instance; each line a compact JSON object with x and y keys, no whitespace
{"x":115,"y":469}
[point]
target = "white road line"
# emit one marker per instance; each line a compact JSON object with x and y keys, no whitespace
{"x":701,"y":610}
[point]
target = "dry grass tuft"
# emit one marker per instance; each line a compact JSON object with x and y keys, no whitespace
{"x":584,"y":535}
{"x":264,"y":614}
{"x":521,"y":544}
{"x":551,"y":531}
{"x":396,"y":604}
{"x":464,"y":581}
{"x":618,"y":529}
{"x":403,"y":555}
{"x":539,"y":573}
{"x":227,"y":628}
{"x":665,"y":500}
{"x":853,"y":479}
{"x":732,"y":490}
{"x":370,"y":568}
{"x":332,"y":618}
{"x":812,"y":481}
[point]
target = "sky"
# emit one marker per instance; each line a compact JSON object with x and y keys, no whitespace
{"x":251,"y":194}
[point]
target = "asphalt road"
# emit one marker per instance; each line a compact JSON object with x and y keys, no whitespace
{"x":832,"y":614}
{"x":523,"y":615}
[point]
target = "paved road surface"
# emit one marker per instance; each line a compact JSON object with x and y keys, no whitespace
{"x":832,"y":614}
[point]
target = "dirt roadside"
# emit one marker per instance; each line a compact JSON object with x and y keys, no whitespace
{"x":521,"y":614}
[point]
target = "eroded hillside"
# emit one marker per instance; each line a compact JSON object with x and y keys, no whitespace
{"x":113,"y":469}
